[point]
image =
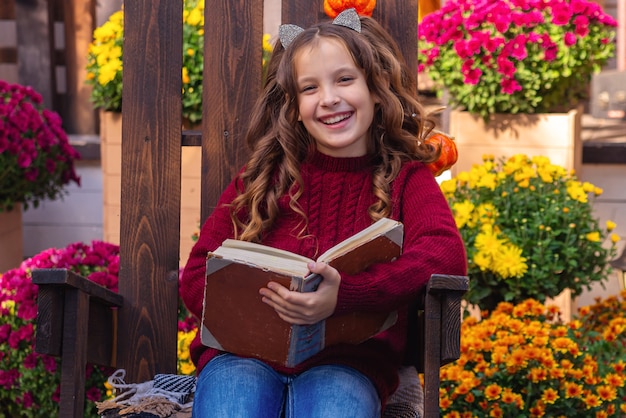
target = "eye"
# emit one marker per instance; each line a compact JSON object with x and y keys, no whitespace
{"x":307,"y":88}
{"x":346,"y":79}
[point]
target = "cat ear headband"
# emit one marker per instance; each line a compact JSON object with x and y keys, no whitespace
{"x":348,"y":18}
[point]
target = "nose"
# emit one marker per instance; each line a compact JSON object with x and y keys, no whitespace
{"x":329,"y":96}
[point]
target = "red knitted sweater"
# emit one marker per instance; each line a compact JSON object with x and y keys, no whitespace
{"x":337,"y":194}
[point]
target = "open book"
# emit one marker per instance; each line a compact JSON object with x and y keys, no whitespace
{"x":236,"y":320}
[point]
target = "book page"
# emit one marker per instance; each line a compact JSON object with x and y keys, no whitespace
{"x":377,"y":228}
{"x":264,"y":249}
{"x":264,"y":256}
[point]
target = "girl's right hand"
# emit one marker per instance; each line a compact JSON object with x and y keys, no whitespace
{"x":305,"y":308}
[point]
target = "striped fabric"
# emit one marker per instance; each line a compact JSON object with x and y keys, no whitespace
{"x":177,"y":386}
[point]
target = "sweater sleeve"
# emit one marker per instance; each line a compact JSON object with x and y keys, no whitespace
{"x":214,"y":231}
{"x":432,"y":244}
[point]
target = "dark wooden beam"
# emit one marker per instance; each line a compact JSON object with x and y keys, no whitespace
{"x":8,"y":55}
{"x":400,"y":19}
{"x":232,"y":80}
{"x":604,"y":152}
{"x":7,"y":10}
{"x":151,"y":181}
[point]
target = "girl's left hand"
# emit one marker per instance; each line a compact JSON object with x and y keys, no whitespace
{"x":305,"y":308}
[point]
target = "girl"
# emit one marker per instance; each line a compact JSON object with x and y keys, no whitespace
{"x":337,"y":143}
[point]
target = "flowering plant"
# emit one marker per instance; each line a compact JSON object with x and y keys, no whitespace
{"x":104,"y":61}
{"x":529,"y":230}
{"x":522,"y":362}
{"x":29,"y":382}
{"x":515,"y":56}
{"x":36,"y":158}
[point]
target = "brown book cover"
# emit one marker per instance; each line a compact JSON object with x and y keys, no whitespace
{"x":237,"y":321}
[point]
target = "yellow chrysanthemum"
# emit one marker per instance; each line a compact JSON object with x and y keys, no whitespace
{"x":448,"y":187}
{"x":593,"y":236}
{"x":509,"y":262}
{"x":489,"y":242}
{"x":576,"y":191}
{"x":267,"y":46}
{"x":185,"y":365}
{"x":195,"y":17}
{"x":462,"y":212}
{"x":610,"y":225}
{"x":108,"y":71}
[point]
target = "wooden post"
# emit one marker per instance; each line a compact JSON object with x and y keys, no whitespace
{"x":33,"y":53}
{"x":232,"y":80}
{"x":79,"y":113}
{"x":150,"y":205}
{"x":400,"y":19}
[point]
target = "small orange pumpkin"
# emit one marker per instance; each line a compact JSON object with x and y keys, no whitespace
{"x":449,"y":153}
{"x":363,"y":7}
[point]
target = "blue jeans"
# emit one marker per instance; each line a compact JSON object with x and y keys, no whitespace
{"x":234,"y":387}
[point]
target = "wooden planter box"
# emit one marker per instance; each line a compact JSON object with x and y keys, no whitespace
{"x":111,"y":152}
{"x":554,"y":135}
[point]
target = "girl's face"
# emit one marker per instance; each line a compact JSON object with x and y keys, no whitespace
{"x":334,"y":102}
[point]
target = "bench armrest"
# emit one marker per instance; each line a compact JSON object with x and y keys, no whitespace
{"x":64,"y":298}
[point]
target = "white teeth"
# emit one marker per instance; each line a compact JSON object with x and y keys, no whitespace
{"x":336,"y":119}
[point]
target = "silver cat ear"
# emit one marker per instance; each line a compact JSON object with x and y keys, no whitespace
{"x":287,"y":33}
{"x":349,"y":18}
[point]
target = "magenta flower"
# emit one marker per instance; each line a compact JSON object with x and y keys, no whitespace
{"x":8,"y":378}
{"x":26,"y":400}
{"x":94,"y":394}
{"x":518,"y":47}
{"x":30,"y":361}
{"x":506,"y":67}
{"x":473,"y":76}
{"x":561,"y":13}
{"x":49,"y":363}
{"x":5,"y":330}
{"x":569,"y":39}
{"x":24,"y":160}
{"x":582,"y":26}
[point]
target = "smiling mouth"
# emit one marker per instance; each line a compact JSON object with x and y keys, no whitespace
{"x":336,"y":119}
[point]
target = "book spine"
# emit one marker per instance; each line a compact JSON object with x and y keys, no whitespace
{"x":306,"y":340}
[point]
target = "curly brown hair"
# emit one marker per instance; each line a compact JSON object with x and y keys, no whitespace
{"x":279,"y":142}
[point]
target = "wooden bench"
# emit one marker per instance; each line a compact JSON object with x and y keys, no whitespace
{"x":137,"y":329}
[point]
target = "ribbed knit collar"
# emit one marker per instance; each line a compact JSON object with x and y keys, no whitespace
{"x":335,"y":164}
